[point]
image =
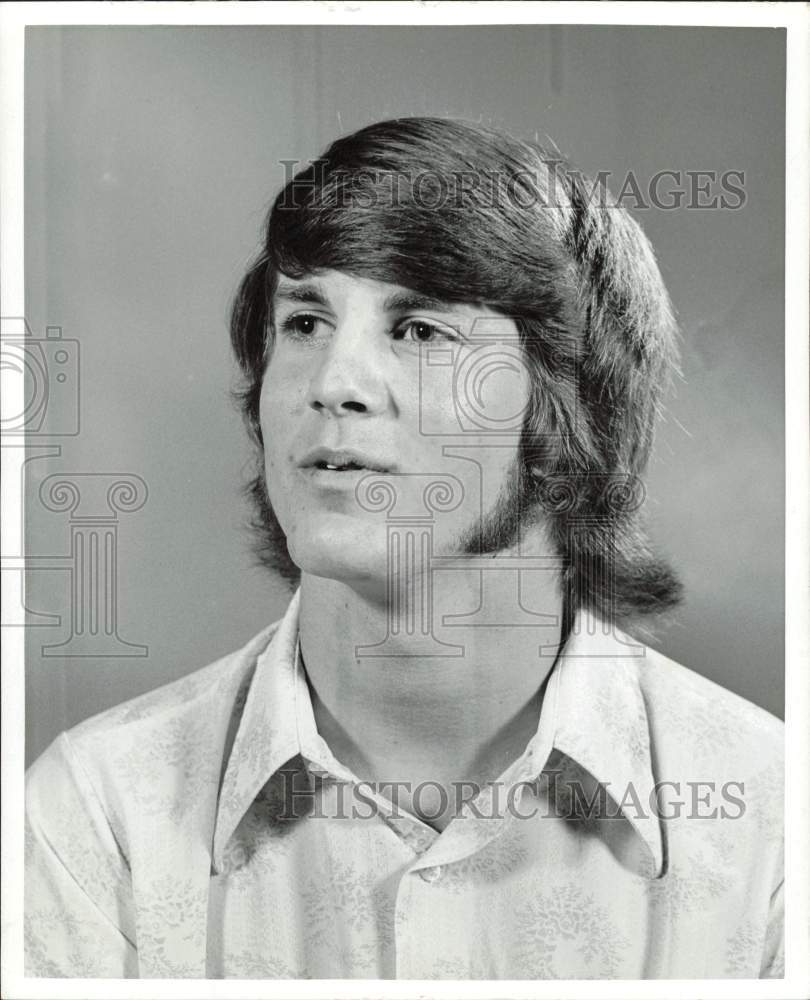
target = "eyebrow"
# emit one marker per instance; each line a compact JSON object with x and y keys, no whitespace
{"x":407,"y":301}
{"x":300,"y":293}
{"x":396,"y":302}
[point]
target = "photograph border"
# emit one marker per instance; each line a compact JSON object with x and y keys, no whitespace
{"x":795,"y":19}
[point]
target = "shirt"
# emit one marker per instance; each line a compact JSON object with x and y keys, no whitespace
{"x":160,"y":842}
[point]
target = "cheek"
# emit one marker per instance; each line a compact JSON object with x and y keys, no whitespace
{"x":480,"y":393}
{"x":280,"y":406}
{"x":268,"y":421}
{"x":277,"y":424}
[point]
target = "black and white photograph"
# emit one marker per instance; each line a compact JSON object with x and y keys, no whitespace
{"x":405,"y":550}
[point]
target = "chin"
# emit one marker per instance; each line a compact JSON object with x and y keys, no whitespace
{"x":338,"y":547}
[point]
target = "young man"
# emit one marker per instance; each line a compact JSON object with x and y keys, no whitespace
{"x":446,"y":761}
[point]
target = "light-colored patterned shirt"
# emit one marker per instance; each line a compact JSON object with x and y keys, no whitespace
{"x":206,"y":830}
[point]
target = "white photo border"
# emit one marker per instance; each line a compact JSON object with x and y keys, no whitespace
{"x":14,"y":17}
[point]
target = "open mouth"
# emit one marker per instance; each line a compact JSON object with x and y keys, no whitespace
{"x":342,"y":460}
{"x":346,"y":467}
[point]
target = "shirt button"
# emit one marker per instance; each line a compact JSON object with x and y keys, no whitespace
{"x":431,"y":874}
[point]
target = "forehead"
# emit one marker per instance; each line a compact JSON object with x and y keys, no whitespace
{"x":338,"y":289}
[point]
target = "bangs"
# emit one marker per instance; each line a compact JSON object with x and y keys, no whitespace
{"x":419,"y":216}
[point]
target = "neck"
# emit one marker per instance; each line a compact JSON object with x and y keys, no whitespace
{"x":412,"y":715}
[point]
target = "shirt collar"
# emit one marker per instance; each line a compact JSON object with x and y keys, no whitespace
{"x":277,"y":723}
{"x":602,"y":723}
{"x":593,"y":707}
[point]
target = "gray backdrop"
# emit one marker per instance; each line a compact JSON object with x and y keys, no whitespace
{"x":152,"y":154}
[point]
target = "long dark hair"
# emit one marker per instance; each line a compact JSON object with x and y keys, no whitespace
{"x":469,"y":214}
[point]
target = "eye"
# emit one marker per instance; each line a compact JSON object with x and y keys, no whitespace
{"x":301,"y":325}
{"x":419,"y":331}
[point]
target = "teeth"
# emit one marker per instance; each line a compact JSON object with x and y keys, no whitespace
{"x":338,"y":468}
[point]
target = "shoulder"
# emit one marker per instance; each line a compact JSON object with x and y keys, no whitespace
{"x":193,"y":693}
{"x":198,"y":698}
{"x":162,"y":747}
{"x":689,"y":711}
{"x":712,"y":745}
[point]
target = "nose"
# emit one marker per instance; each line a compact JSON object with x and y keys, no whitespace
{"x":349,"y":378}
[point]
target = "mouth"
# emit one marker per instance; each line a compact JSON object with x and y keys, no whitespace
{"x":348,"y":467}
{"x":343,"y":462}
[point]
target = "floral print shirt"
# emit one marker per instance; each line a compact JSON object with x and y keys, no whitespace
{"x":206,"y":830}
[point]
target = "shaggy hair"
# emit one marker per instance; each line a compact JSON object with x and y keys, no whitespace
{"x":468,"y":214}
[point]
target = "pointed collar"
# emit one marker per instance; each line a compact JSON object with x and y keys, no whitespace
{"x":593,"y":712}
{"x":277,"y":724}
{"x":602,"y":723}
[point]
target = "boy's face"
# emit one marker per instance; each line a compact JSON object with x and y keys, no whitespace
{"x":369,"y":377}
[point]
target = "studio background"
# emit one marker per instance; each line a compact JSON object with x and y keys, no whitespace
{"x":152,"y":155}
